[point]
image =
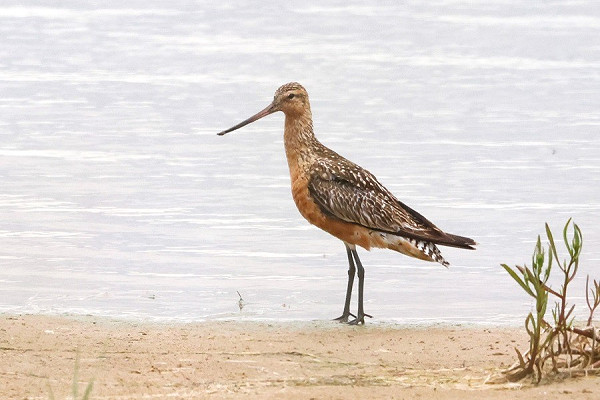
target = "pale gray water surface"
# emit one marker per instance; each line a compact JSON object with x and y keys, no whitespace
{"x":119,"y":200}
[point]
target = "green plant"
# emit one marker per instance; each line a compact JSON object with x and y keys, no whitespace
{"x":533,"y":281}
{"x":567,"y":348}
{"x":75,"y":385}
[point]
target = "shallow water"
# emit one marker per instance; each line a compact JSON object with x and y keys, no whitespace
{"x":119,"y":200}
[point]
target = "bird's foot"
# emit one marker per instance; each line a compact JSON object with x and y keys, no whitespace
{"x":344,"y":317}
{"x":360,"y":319}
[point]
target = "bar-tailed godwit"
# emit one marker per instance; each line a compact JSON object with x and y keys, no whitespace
{"x":346,"y":200}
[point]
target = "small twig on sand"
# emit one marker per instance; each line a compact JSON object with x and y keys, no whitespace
{"x":241,"y":302}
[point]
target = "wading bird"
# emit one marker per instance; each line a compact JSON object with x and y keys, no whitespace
{"x":346,"y":200}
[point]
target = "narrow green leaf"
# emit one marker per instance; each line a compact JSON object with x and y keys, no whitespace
{"x":514,"y":275}
{"x":577,"y":239}
{"x":551,"y":240}
{"x":537,"y":259}
{"x":88,"y":391}
{"x":548,"y":267}
{"x":569,"y":248}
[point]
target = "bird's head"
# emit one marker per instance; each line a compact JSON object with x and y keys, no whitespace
{"x":291,"y":99}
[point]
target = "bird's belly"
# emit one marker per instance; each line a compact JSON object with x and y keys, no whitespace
{"x":345,"y":231}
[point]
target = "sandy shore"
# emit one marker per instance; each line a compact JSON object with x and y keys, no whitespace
{"x":230,"y":360}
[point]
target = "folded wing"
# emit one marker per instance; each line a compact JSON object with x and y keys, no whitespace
{"x":352,"y":194}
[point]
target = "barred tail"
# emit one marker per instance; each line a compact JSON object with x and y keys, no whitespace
{"x":418,"y":248}
{"x":431,"y":250}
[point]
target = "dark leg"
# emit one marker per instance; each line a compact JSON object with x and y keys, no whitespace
{"x":360,"y":317}
{"x":351,"y":272}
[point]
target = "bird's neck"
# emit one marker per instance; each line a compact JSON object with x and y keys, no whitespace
{"x":300,"y":142}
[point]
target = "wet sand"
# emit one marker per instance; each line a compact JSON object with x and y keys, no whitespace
{"x":291,"y":360}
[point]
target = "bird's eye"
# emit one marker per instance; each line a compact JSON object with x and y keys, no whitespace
{"x":291,"y":96}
